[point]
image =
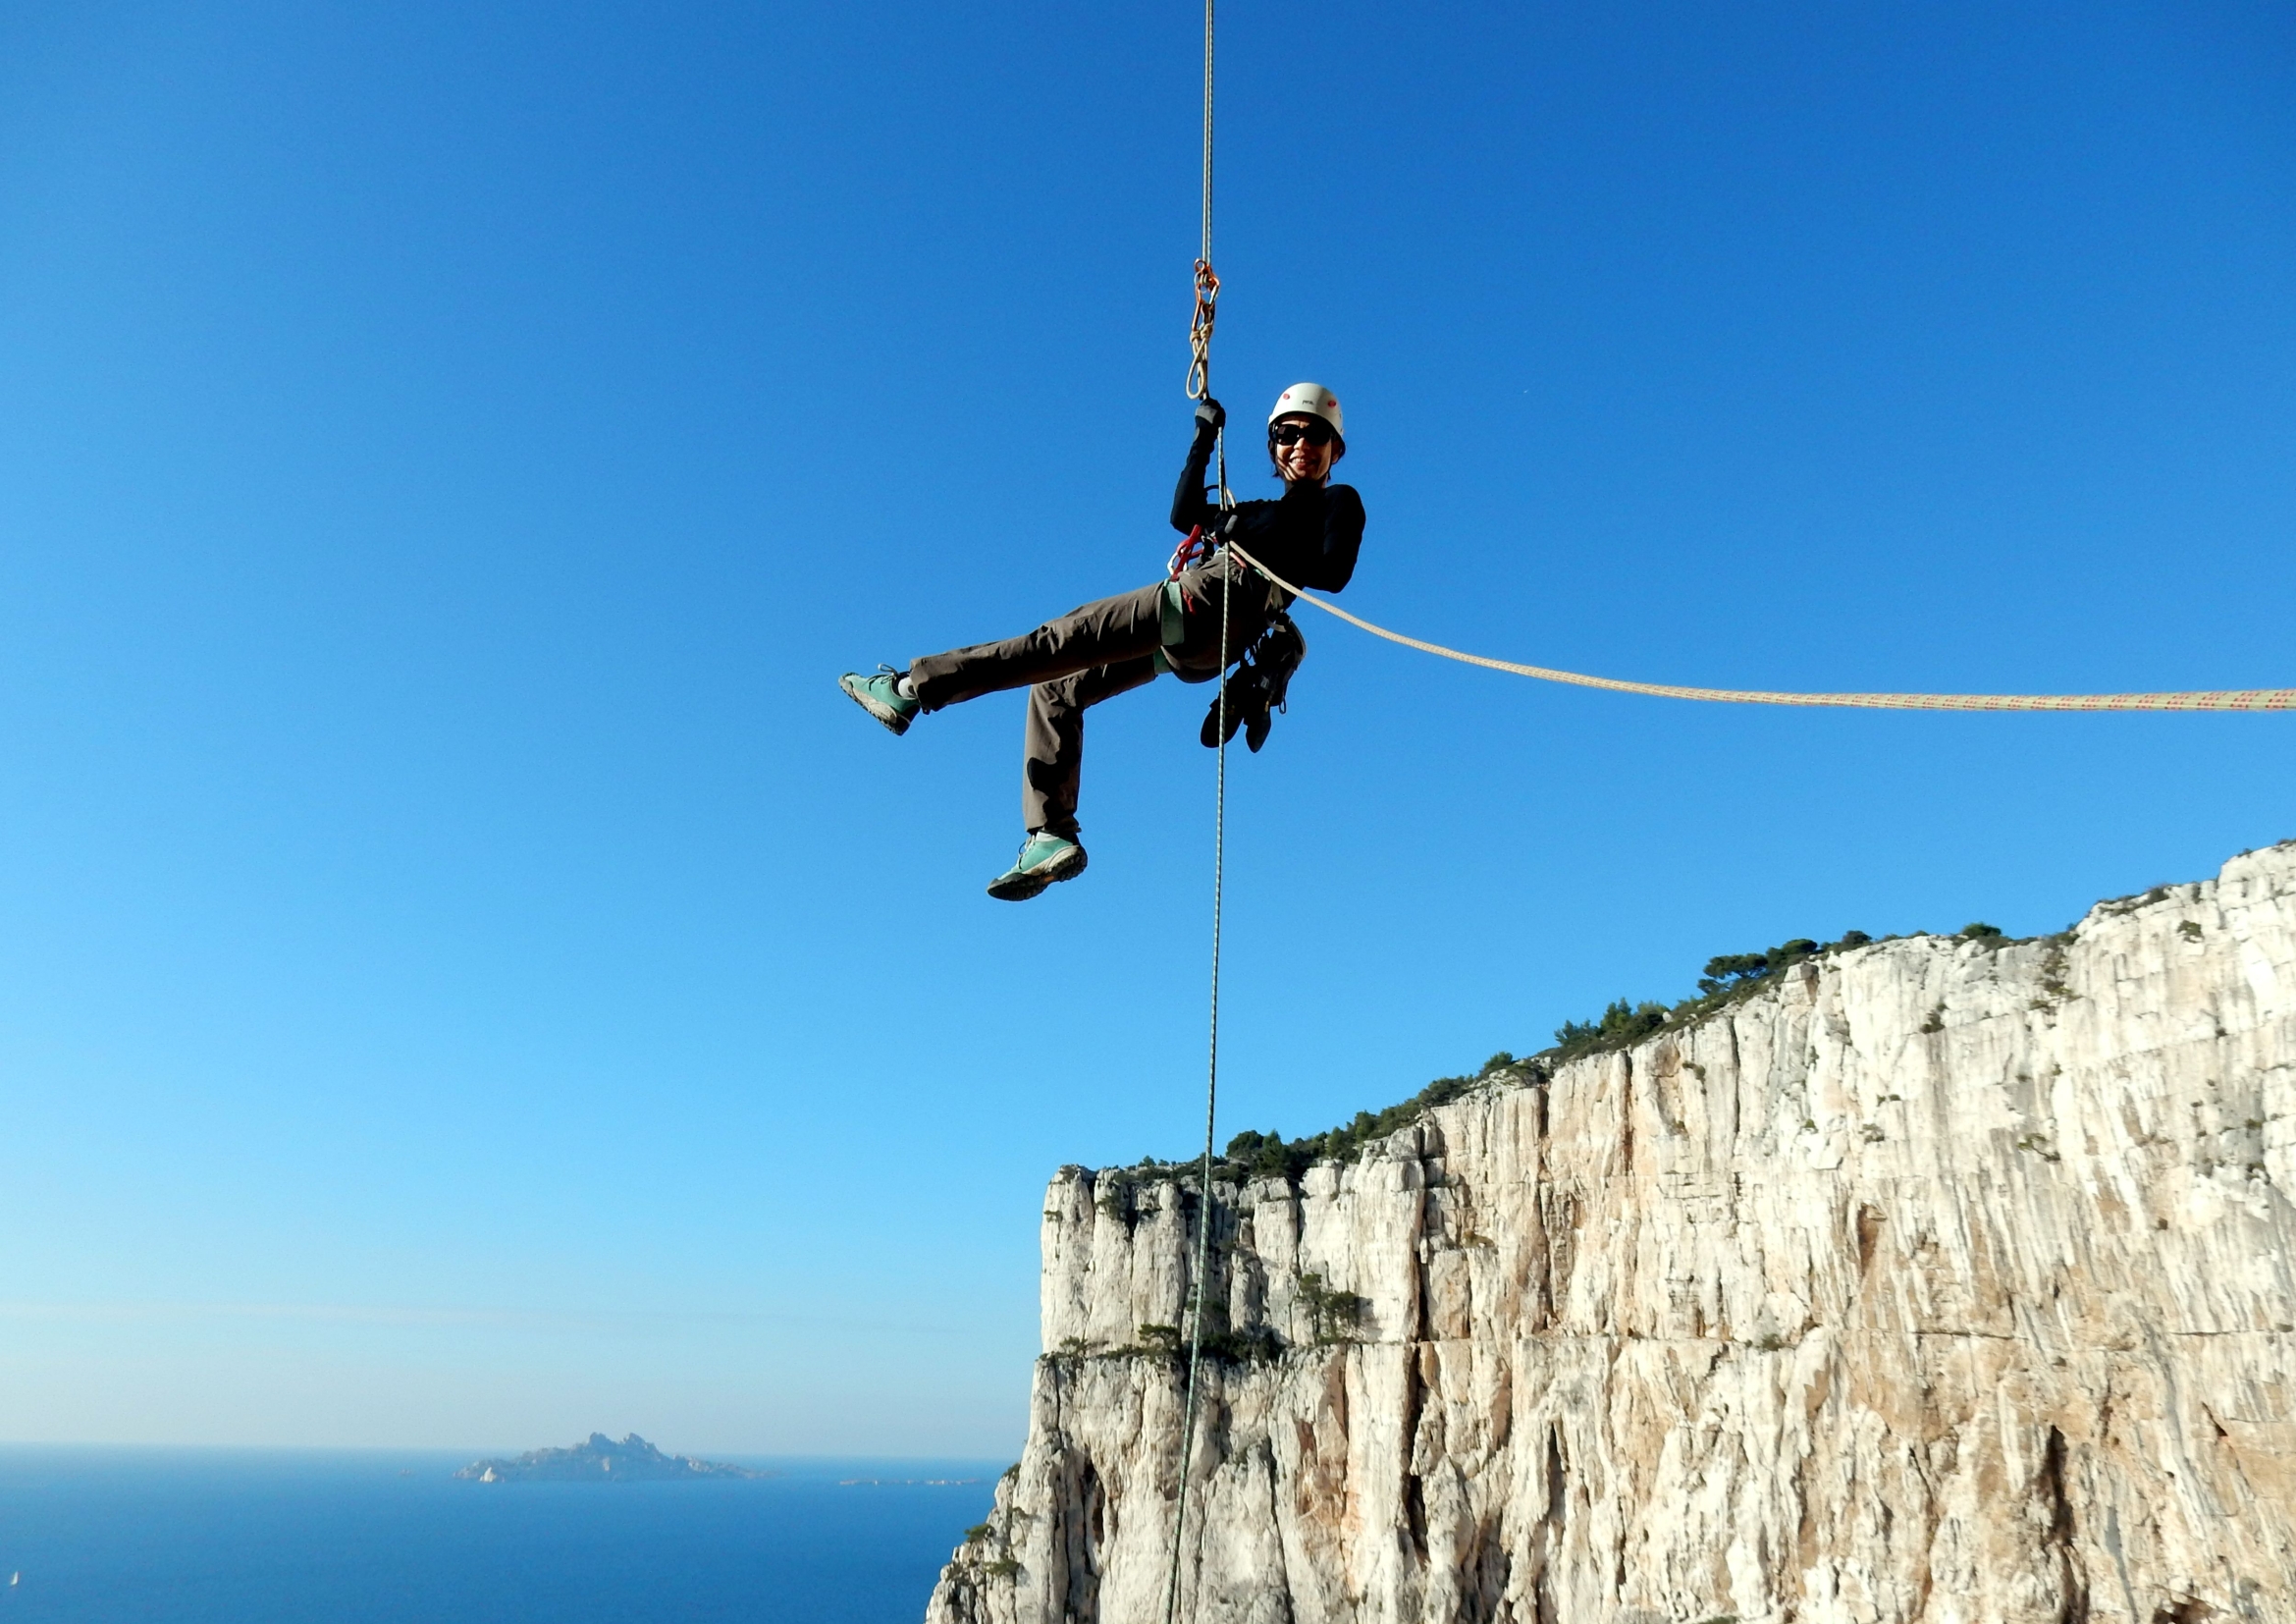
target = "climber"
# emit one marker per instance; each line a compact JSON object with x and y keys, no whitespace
{"x":1310,"y":536}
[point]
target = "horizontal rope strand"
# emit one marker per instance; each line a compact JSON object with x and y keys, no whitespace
{"x":2217,"y":699}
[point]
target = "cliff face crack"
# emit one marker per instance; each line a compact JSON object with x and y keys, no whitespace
{"x":1546,"y":1540}
{"x":1562,"y":1215}
{"x":1760,"y":1373}
{"x":1414,"y":1490}
{"x":2072,"y":1580}
{"x":1488,"y":1568}
{"x":1084,"y":1530}
{"x":1627,"y":1114}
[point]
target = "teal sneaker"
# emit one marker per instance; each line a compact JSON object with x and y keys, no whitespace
{"x":1046,"y":859}
{"x":882,"y":697}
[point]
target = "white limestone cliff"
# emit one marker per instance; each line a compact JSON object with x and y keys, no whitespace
{"x":1946,"y":1281}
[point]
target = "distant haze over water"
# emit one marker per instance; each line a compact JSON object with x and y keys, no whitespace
{"x":263,"y":1536}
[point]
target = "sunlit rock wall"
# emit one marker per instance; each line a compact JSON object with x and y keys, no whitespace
{"x":1944,"y":1281}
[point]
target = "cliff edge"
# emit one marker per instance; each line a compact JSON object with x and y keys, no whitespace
{"x":1941,"y":1279}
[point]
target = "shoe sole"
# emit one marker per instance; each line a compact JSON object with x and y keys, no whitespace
{"x":895,"y":722}
{"x":1020,"y":888}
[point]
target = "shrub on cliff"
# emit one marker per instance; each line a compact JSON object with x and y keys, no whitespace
{"x":1271,"y":1156}
{"x":1727,"y":978}
{"x":1622,"y":1024}
{"x":1332,"y":1316}
{"x":1728,"y":970}
{"x":1242,"y":1347}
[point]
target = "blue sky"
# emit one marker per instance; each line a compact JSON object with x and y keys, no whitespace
{"x":467,"y":977}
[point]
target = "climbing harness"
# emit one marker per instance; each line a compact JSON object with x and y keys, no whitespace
{"x":1199,"y":326}
{"x":2212,"y":699}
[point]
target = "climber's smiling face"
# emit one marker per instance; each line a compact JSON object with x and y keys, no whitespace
{"x":1304,"y":447}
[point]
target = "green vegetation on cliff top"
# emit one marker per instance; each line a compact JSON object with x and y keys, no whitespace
{"x":1728,"y":978}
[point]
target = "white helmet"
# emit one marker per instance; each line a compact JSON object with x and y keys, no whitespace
{"x":1312,"y":401}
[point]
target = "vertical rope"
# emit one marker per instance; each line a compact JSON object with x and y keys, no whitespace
{"x":1207,"y":290}
{"x":1211,"y":1100}
{"x":1207,"y":283}
{"x":1205,"y":256}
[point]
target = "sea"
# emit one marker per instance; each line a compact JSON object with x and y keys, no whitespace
{"x":105,"y":1535}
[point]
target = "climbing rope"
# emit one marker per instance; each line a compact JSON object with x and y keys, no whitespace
{"x":2215,"y":699}
{"x":1208,"y":282}
{"x":1199,"y":326}
{"x":1211,"y":1102}
{"x":1207,"y":286}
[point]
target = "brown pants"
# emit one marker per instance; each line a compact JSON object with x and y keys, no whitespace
{"x":1089,"y":654}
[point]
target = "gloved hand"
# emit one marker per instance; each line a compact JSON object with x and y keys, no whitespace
{"x":1258,"y":685}
{"x":1211,"y":417}
{"x":1246,"y":687}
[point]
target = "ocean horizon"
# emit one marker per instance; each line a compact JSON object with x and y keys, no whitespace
{"x":190,"y":1535}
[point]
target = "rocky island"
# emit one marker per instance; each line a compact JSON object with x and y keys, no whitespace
{"x":1941,"y":1280}
{"x":600,"y":1459}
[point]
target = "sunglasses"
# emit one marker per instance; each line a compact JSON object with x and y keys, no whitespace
{"x":1291,"y":434}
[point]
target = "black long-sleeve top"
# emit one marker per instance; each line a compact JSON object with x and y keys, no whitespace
{"x":1310,"y":535}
